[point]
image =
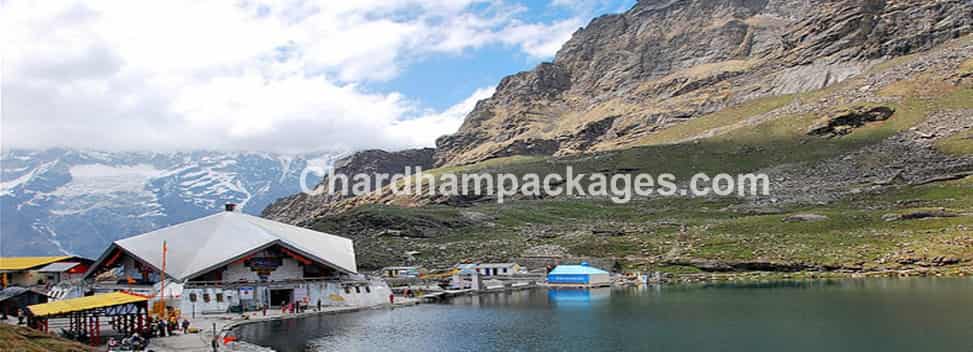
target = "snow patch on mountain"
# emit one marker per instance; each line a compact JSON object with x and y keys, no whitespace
{"x":71,"y":201}
{"x":101,"y":178}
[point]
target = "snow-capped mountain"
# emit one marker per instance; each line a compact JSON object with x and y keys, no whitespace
{"x":70,"y":201}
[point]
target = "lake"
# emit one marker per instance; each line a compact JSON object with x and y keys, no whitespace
{"x":841,"y":315}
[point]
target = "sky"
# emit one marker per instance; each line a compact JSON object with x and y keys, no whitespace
{"x":276,"y":76}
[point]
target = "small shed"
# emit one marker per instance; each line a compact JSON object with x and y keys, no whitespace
{"x":582,"y":275}
{"x":23,"y":271}
{"x":492,"y":269}
{"x":15,"y":297}
{"x":401,"y":272}
{"x":63,"y":271}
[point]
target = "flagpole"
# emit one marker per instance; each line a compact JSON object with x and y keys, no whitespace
{"x":165,"y":249}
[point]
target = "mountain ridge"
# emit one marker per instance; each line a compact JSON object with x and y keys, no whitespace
{"x":858,"y":110}
{"x":77,"y":201}
{"x":625,"y":76}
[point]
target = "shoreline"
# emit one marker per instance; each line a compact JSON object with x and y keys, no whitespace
{"x":705,"y":277}
{"x":227,"y":323}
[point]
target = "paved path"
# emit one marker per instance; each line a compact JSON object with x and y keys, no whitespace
{"x":227,"y":322}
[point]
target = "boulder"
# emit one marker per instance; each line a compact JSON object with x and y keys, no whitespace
{"x":806,"y":218}
{"x":844,"y":121}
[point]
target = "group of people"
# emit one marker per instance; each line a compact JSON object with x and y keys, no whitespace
{"x":21,"y":316}
{"x":292,"y":307}
{"x":131,"y":343}
{"x":165,"y":327}
{"x":157,"y":328}
{"x":295,"y":307}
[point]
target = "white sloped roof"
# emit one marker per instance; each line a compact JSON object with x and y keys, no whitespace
{"x":201,"y":245}
{"x":58,"y":267}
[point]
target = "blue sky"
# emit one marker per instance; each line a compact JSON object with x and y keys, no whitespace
{"x":289,"y":77}
{"x":443,"y":80}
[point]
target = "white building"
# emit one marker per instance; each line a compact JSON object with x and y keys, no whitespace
{"x":234,"y":259}
{"x":492,"y":269}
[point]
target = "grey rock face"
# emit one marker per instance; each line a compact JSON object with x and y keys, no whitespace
{"x":664,"y":62}
{"x":301,"y":207}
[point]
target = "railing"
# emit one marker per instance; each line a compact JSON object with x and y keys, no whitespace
{"x":238,"y":284}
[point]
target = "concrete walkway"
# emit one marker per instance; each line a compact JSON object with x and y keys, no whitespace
{"x":225,"y":323}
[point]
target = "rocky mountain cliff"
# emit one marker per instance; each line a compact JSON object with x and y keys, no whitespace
{"x":73,"y":201}
{"x":300,"y":208}
{"x":664,"y":62}
{"x":859,"y":111}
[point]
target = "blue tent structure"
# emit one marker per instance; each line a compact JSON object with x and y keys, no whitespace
{"x":578,"y":276}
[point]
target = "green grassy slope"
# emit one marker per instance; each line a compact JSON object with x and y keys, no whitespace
{"x":648,"y":234}
{"x":20,"y":339}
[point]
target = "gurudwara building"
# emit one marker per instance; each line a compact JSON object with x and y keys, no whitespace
{"x":231,"y":261}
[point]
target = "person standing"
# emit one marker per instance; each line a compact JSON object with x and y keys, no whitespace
{"x":319,"y":304}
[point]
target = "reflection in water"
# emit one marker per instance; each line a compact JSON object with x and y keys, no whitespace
{"x":846,"y":315}
{"x":578,"y":298}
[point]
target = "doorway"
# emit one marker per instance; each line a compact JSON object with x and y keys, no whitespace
{"x":278,"y":296}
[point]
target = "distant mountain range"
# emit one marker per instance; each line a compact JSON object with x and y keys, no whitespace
{"x":71,"y":201}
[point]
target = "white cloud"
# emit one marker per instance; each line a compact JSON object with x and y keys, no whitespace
{"x":541,"y":40}
{"x":250,"y":75}
{"x":429,"y":127}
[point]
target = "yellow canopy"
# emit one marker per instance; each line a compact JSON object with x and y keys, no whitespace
{"x":84,"y":303}
{"x":24,"y":263}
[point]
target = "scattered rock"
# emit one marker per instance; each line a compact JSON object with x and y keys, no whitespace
{"x":923,"y":214}
{"x":891,"y":217}
{"x":547,"y":250}
{"x":806,"y":218}
{"x":844,"y":121}
{"x":731,"y":266}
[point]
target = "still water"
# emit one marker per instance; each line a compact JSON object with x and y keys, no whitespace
{"x":846,"y":315}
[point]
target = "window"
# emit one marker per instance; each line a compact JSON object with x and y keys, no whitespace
{"x":357,"y":289}
{"x":368,"y":289}
{"x":219,"y":298}
{"x":206,"y":297}
{"x":192,"y":297}
{"x":504,"y":270}
{"x":347,"y":290}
